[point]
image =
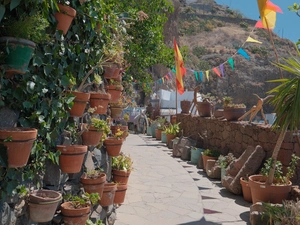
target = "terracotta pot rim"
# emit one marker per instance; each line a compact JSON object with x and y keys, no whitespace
{"x":72,"y":149}
{"x":99,"y":180}
{"x":68,"y":10}
{"x":260,"y":180}
{"x":18,"y":133}
{"x":99,"y":95}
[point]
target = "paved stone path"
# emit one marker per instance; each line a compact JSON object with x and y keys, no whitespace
{"x":164,"y":190}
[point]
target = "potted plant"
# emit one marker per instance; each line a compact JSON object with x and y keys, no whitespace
{"x":64,"y":16}
{"x":281,"y":185}
{"x":120,"y":193}
{"x":161,"y":122}
{"x":195,"y":154}
{"x":93,"y":131}
{"x":76,"y":209}
{"x":205,"y":107}
{"x":116,"y":108}
{"x":18,"y":142}
{"x":93,"y":181}
{"x":171,"y":132}
{"x":108,"y":194}
{"x":43,"y":205}
{"x":185,"y":106}
{"x":113,"y":143}
{"x":224,"y":161}
{"x":233,"y":111}
{"x":18,"y":41}
{"x":121,"y":126}
{"x":244,"y":181}
{"x":121,"y":168}
{"x":114,"y":88}
{"x":209,"y":154}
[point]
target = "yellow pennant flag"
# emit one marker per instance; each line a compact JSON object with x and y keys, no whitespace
{"x":267,"y":11}
{"x":250,"y":39}
{"x":207,"y":74}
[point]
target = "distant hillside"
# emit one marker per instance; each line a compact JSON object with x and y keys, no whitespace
{"x":211,"y":34}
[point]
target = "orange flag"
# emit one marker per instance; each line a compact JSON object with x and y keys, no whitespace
{"x":180,"y":70}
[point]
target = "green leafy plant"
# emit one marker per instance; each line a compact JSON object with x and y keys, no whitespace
{"x":99,"y":124}
{"x":173,"y":129}
{"x":224,"y":161}
{"x":83,"y":200}
{"x":98,"y":222}
{"x":278,"y":175}
{"x":93,"y":174}
{"x":122,"y":162}
{"x":212,"y":153}
{"x":227,"y":103}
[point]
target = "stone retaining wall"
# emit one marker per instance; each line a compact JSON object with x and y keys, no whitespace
{"x":234,"y":137}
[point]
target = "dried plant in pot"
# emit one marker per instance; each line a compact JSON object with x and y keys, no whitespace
{"x":232,"y":111}
{"x":93,"y":181}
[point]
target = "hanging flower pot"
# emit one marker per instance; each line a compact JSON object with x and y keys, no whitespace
{"x":100,"y":102}
{"x":114,"y":130}
{"x":93,"y":184}
{"x":120,"y":176}
{"x":116,"y":111}
{"x":113,"y":146}
{"x":43,"y":204}
{"x":18,"y":141}
{"x":115,"y":91}
{"x":71,"y":157}
{"x":80,"y":102}
{"x":18,"y":58}
{"x":108,"y":194}
{"x":74,"y":216}
{"x":120,"y":193}
{"x":91,"y":136}
{"x":64,"y":17}
{"x":112,"y":71}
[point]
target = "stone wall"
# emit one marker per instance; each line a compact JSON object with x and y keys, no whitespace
{"x":234,"y":137}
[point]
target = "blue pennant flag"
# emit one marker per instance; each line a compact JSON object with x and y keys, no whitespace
{"x":243,"y":53}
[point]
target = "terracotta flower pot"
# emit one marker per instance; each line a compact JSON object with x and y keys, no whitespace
{"x":204,"y":109}
{"x":114,"y":91}
{"x":185,"y":106}
{"x":93,"y":185}
{"x":72,"y":216}
{"x":246,"y":190}
{"x":43,"y":204}
{"x":170,"y":137}
{"x":267,"y":193}
{"x":80,"y":102}
{"x":114,"y":130}
{"x":71,"y":157}
{"x":116,"y":112}
{"x":205,"y":158}
{"x":120,"y":176}
{"x":19,"y":145}
{"x":112,"y":72}
{"x":64,"y":17}
{"x":100,"y":102}
{"x":158,"y":134}
{"x":108,"y":194}
{"x":113,"y":146}
{"x":91,"y":136}
{"x":120,"y":193}
{"x":232,"y":114}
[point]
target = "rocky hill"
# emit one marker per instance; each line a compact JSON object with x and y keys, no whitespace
{"x":209,"y":34}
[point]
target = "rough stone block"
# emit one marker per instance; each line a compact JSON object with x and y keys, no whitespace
{"x":11,"y":117}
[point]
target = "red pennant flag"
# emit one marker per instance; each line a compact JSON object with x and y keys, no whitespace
{"x":217,"y":71}
{"x":167,"y":77}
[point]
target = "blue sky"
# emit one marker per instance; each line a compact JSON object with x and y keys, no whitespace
{"x":287,"y":25}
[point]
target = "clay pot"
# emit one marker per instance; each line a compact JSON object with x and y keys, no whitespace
{"x":64,"y":17}
{"x":19,"y":145}
{"x":219,"y":113}
{"x":120,"y":193}
{"x":205,"y":158}
{"x":72,"y":216}
{"x":80,"y":102}
{"x":100,"y":102}
{"x":246,"y":190}
{"x":120,"y":176}
{"x":268,"y":193}
{"x":232,"y":114}
{"x":71,"y":157}
{"x":43,"y":204}
{"x":108,"y":194}
{"x":158,"y":134}
{"x":91,"y":137}
{"x":114,"y":91}
{"x":114,"y":130}
{"x":185,"y":106}
{"x":93,"y":185}
{"x":204,"y":109}
{"x":170,"y":137}
{"x":116,"y":112}
{"x":113,"y":146}
{"x":112,"y":71}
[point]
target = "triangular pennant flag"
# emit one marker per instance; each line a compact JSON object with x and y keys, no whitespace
{"x":217,"y":71}
{"x":267,"y":11}
{"x":259,"y":24}
{"x":174,"y":70}
{"x":222,"y":70}
{"x":167,"y":77}
{"x":160,"y":81}
{"x":170,"y":74}
{"x":250,"y":39}
{"x":163,"y":80}
{"x":201,"y":75}
{"x":243,"y":53}
{"x":207,"y":74}
{"x":196,"y":75}
{"x":231,"y":63}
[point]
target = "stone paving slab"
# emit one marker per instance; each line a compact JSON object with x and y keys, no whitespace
{"x":164,"y":190}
